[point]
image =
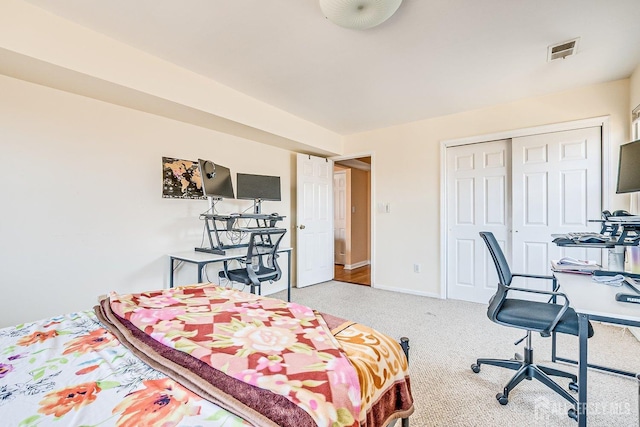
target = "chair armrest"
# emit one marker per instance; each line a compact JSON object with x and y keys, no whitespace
{"x":536,"y":291}
{"x":533,"y":276}
{"x":554,"y":294}
{"x":538,"y":276}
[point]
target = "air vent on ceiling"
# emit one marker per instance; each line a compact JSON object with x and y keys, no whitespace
{"x":562,"y":50}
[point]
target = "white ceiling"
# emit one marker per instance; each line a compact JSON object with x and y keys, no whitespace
{"x":433,"y":57}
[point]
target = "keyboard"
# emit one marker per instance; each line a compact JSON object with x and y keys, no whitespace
{"x":588,"y":237}
{"x":578,"y":234}
{"x":250,"y":229}
{"x":628,"y":218}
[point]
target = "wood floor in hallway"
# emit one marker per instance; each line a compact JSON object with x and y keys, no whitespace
{"x":360,"y":275}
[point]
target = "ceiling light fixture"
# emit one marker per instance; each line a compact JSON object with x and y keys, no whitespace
{"x":359,"y":14}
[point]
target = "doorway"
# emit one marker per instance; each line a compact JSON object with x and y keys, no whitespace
{"x":352,"y":220}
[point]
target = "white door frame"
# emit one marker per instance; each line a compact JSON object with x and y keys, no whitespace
{"x":372,"y":219}
{"x":602,"y":121}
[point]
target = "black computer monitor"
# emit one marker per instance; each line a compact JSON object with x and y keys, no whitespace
{"x":629,"y":168}
{"x":216,"y":180}
{"x":258,"y":188}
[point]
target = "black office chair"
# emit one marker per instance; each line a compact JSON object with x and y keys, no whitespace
{"x":533,"y":316}
{"x":261,"y":262}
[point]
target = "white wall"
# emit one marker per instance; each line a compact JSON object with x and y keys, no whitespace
{"x":634,"y":91}
{"x":38,"y":46}
{"x":110,"y":229}
{"x":406,"y":173}
{"x":81,"y":209}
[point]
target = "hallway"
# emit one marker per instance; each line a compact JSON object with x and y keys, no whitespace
{"x":359,"y":276}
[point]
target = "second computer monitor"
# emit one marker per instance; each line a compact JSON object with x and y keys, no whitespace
{"x":258,"y":188}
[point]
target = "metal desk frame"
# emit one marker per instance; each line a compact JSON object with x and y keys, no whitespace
{"x":216,"y":246}
{"x":592,"y":301}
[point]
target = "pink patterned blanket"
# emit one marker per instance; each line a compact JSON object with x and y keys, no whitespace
{"x":263,"y":343}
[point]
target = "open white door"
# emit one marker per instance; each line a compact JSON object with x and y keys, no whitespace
{"x":315,"y":220}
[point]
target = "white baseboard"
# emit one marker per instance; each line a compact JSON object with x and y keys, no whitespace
{"x":356,"y":265}
{"x":407,"y":291}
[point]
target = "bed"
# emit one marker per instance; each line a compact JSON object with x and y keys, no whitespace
{"x":201,"y":355}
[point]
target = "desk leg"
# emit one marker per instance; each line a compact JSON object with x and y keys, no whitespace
{"x":553,"y":334}
{"x":583,"y":322}
{"x":288,"y":276}
{"x":171,"y":272}
{"x":200,"y":267}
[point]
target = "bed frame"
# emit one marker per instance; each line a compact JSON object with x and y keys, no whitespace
{"x":404,"y":343}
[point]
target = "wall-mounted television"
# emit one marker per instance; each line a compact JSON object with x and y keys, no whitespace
{"x":629,"y":168}
{"x":216,"y":180}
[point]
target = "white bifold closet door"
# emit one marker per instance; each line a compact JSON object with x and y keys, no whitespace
{"x":556,"y":189}
{"x":523,"y":190}
{"x":478,"y":194}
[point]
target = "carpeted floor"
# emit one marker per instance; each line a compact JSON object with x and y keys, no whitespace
{"x":447,"y":336}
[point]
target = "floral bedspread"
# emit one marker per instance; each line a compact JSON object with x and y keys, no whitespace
{"x":282,"y":347}
{"x":70,"y":371}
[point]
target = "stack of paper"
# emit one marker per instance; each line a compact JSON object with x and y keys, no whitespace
{"x":572,"y":265}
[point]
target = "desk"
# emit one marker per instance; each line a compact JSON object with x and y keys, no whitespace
{"x":593,"y":301}
{"x":201,"y":259}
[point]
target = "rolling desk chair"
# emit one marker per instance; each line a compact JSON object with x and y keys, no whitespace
{"x":532,"y":316}
{"x":260,"y":264}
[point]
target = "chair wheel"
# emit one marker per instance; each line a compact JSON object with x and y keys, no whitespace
{"x":572,"y":414}
{"x":502,"y":399}
{"x":573,"y":386}
{"x":475,"y":368}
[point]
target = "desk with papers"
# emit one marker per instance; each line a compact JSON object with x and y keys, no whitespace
{"x":592,"y":301}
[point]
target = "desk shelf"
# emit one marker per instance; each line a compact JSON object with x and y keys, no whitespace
{"x":212,"y":222}
{"x":620,"y":234}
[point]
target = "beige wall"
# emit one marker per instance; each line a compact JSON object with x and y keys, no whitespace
{"x":634,"y":102}
{"x":41,"y":47}
{"x":634,"y":91}
{"x":359,"y":216}
{"x":57,"y":244}
{"x":81,"y":211}
{"x":406,"y":173}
